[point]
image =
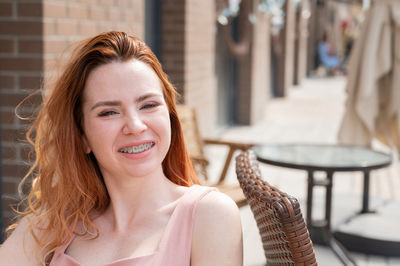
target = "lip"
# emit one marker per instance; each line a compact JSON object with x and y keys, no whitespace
{"x":136,"y":143}
{"x":137,"y":155}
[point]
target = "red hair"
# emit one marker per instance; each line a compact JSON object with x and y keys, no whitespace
{"x":68,"y":186}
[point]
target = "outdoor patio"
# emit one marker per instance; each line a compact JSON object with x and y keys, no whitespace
{"x":311,"y":113}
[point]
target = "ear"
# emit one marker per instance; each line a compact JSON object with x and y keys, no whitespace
{"x":86,"y":145}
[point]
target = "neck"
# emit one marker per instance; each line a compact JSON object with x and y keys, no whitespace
{"x":134,"y":199}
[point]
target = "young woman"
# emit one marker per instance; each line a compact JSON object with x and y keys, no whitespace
{"x":113,"y":183}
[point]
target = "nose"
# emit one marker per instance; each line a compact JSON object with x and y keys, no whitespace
{"x":134,"y":124}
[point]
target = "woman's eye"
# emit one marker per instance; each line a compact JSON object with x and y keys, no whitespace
{"x":149,"y":106}
{"x":107,"y":113}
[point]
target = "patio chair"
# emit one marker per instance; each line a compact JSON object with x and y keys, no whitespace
{"x":286,"y":240}
{"x":195,"y":144}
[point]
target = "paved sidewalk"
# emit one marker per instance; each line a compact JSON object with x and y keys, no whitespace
{"x":311,"y":113}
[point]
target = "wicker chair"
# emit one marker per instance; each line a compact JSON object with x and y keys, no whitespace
{"x":284,"y":234}
{"x":195,"y":144}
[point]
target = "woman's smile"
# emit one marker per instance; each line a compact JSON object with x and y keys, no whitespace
{"x":137,"y":148}
{"x":137,"y":152}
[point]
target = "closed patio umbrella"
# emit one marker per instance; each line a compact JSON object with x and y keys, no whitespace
{"x":373,"y":85}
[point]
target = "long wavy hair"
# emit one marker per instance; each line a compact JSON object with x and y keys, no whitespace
{"x":67,"y":186}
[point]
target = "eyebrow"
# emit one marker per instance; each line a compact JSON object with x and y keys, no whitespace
{"x":146,"y":96}
{"x":119,"y":103}
{"x":106,"y":103}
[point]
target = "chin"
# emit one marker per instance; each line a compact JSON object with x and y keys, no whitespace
{"x":145,"y":170}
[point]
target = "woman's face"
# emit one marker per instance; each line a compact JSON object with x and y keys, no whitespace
{"x":126,"y":121}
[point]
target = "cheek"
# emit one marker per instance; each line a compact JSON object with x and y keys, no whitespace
{"x":162,"y":127}
{"x":96,"y":134}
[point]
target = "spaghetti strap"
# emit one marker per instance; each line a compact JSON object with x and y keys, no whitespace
{"x":177,"y":241}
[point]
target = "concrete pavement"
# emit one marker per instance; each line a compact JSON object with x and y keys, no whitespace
{"x":311,"y":113}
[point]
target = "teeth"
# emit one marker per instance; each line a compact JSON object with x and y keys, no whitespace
{"x":137,"y":149}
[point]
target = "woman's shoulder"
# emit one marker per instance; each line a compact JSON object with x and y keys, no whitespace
{"x":215,"y":204}
{"x":209,"y":202}
{"x":217,"y":231}
{"x":212,"y":205}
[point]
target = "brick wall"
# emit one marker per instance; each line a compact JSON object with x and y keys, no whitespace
{"x":173,"y":41}
{"x":65,"y":22}
{"x":200,"y":84}
{"x":21,"y":66}
{"x":188,"y":47}
{"x":32,"y":35}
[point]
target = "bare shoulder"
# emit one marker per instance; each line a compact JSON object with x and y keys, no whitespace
{"x":217,"y":235}
{"x":216,"y":204}
{"x":19,"y":248}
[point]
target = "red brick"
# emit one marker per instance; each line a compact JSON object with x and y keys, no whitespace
{"x":6,"y":9}
{"x":7,"y":46}
{"x":106,"y":27}
{"x":21,"y":64}
{"x":78,"y":12}
{"x":98,"y":13}
{"x":12,"y":135}
{"x":122,"y":27}
{"x":67,"y":28}
{"x":25,"y":28}
{"x":30,"y":9}
{"x":31,"y":46}
{"x":10,"y":187}
{"x":55,"y":46}
{"x":127,"y":16}
{"x":30,"y":82}
{"x":7,"y":82}
{"x":115,"y":14}
{"x":89,"y":2}
{"x":13,"y":99}
{"x":105,"y":3}
{"x":119,"y":3}
{"x":7,"y":118}
{"x":126,"y":3}
{"x":49,"y":28}
{"x":8,"y":153}
{"x":87,"y":28}
{"x":54,"y":10}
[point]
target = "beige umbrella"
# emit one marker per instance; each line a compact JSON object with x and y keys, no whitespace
{"x":373,"y":85}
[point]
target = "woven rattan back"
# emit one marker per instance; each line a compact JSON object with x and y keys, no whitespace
{"x":284,"y":234}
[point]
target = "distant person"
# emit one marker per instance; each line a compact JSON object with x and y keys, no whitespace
{"x":113,"y":183}
{"x":326,"y":56}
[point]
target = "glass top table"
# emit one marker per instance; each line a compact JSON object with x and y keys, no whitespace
{"x":322,"y":157}
{"x":329,"y":159}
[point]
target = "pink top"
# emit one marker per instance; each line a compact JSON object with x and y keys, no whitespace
{"x":175,"y":245}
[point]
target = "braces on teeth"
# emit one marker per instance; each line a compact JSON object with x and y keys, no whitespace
{"x":137,"y":149}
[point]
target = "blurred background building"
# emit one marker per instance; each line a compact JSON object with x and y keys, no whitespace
{"x":226,"y":58}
